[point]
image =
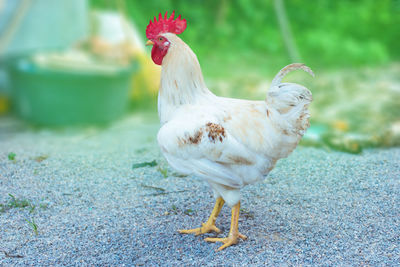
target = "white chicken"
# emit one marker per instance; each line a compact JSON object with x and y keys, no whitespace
{"x":229,"y":143}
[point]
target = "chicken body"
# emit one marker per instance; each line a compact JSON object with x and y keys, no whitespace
{"x":228,"y":142}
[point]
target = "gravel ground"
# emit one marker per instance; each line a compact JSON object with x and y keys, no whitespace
{"x":92,"y":208}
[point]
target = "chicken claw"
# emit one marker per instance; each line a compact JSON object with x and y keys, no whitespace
{"x":209,"y":226}
{"x":234,"y":234}
{"x":228,"y":241}
{"x":205,"y":228}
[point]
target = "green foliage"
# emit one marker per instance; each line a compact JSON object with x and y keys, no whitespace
{"x":144,"y":164}
{"x":327,"y":33}
{"x":33,"y":225}
{"x":163,"y":171}
{"x":11,"y":156}
{"x":18,"y":203}
{"x":15,"y":203}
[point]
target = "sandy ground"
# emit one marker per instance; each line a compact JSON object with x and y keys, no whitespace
{"x":91,"y":207}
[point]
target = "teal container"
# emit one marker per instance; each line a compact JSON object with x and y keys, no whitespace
{"x":54,"y":97}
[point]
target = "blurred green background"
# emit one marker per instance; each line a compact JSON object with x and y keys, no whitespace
{"x":327,"y":34}
{"x":352,"y":46}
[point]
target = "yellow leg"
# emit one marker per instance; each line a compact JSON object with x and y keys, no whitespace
{"x":234,"y":234}
{"x":209,"y":226}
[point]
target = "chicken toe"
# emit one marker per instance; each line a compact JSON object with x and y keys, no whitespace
{"x":205,"y":228}
{"x":209,"y":226}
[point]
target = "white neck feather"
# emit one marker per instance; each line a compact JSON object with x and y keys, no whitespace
{"x":181,"y":79}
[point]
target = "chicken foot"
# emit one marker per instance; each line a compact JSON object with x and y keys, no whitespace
{"x":209,"y":226}
{"x":234,"y":234}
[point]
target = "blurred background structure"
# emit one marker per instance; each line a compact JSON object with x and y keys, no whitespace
{"x":351,"y":46}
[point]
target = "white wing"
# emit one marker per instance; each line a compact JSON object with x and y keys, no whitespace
{"x":195,"y":141}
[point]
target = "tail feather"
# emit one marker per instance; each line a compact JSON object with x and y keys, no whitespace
{"x":290,"y":101}
{"x":289,"y":68}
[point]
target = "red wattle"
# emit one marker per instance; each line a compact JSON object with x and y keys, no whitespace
{"x":158,"y":53}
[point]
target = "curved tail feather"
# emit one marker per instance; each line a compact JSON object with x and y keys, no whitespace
{"x":291,"y":101}
{"x":289,"y":68}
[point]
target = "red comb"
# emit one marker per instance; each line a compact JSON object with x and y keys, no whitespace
{"x":165,"y":24}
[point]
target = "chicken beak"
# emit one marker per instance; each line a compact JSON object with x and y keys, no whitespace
{"x":149,"y":42}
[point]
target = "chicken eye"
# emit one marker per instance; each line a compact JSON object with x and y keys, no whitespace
{"x":160,"y":39}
